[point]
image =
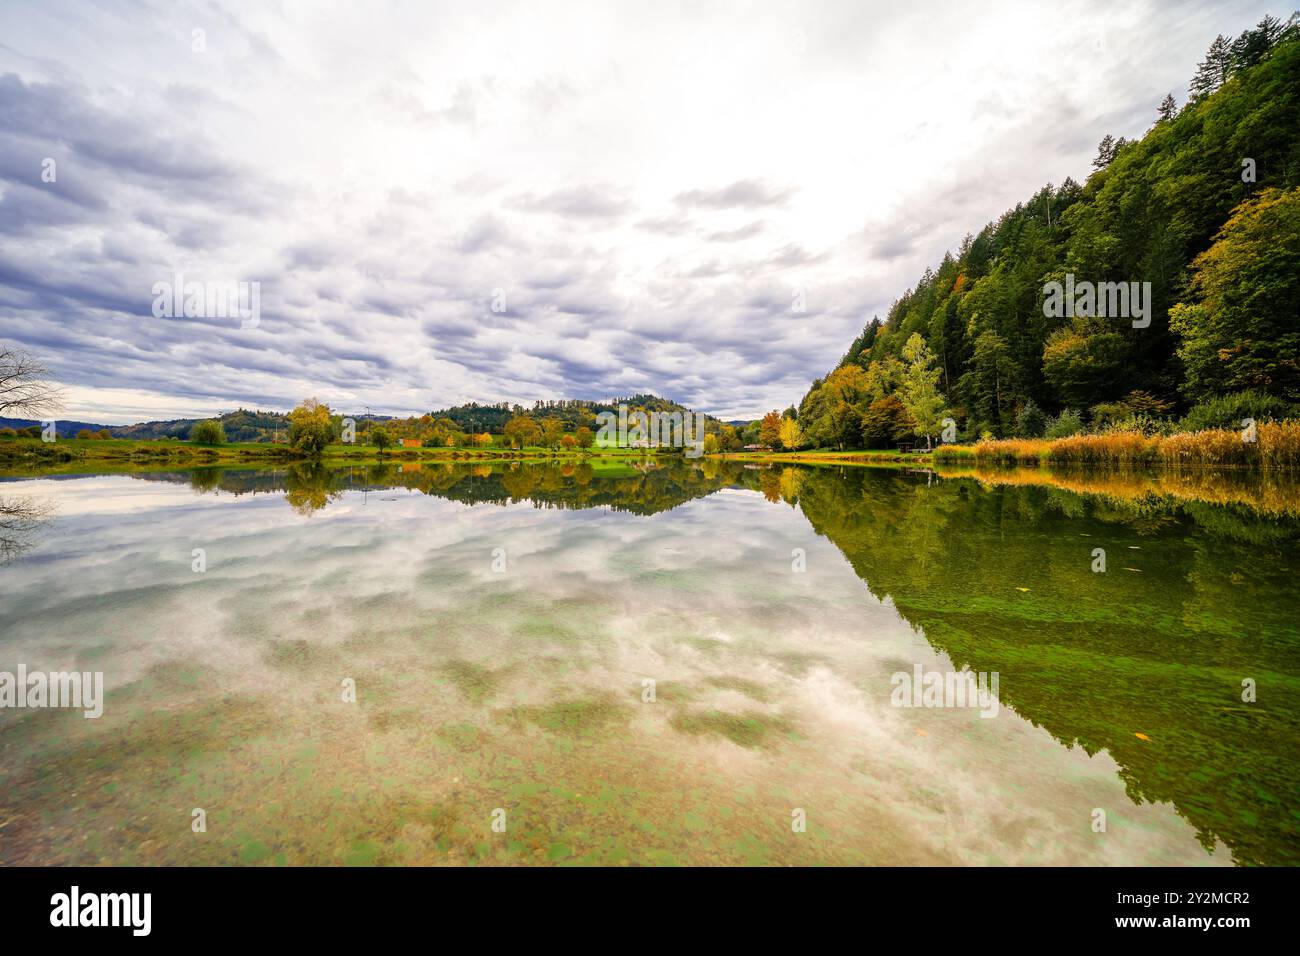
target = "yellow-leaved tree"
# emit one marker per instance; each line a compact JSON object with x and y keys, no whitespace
{"x":791,"y":434}
{"x":310,"y":427}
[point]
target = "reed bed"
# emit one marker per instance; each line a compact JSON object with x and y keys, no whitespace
{"x":1276,"y":448}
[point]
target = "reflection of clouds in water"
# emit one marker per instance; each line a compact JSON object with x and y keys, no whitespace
{"x":980,"y":791}
{"x":106,"y":495}
{"x":700,"y":598}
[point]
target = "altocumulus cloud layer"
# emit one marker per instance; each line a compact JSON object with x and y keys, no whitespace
{"x":644,"y":187}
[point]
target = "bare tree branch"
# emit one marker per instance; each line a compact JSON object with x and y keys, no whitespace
{"x":25,"y":388}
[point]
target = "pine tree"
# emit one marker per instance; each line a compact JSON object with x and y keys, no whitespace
{"x":1168,"y":108}
{"x":1105,"y":152}
{"x":1270,"y":30}
{"x":1254,"y":45}
{"x":1214,"y":69}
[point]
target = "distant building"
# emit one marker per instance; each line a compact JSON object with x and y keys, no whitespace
{"x":758,"y":448}
{"x":409,"y":442}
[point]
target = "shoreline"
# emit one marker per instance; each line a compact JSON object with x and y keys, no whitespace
{"x":1277,"y":448}
{"x":33,"y":453}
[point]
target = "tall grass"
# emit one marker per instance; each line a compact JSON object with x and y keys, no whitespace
{"x":1113,"y":448}
{"x":1276,"y":447}
{"x":1279,"y":445}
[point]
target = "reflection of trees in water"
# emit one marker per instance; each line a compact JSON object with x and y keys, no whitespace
{"x":21,"y":518}
{"x":640,"y":487}
{"x":791,"y":482}
{"x":780,"y":483}
{"x":575,"y":485}
{"x":204,"y":480}
{"x":1096,"y":658}
{"x":520,"y":482}
{"x":310,"y":486}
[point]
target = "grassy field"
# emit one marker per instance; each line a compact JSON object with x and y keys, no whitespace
{"x":32,"y":452}
{"x":830,"y":456}
{"x":125,"y":449}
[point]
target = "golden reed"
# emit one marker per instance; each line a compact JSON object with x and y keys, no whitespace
{"x":1276,"y":447}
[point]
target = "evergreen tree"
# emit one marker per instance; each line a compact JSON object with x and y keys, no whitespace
{"x":1105,"y":152}
{"x":1254,"y":45}
{"x":1214,"y":69}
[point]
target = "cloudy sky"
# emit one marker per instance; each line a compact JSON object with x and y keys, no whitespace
{"x":445,"y":202}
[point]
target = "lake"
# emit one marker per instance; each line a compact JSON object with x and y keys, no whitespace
{"x":682,"y":663}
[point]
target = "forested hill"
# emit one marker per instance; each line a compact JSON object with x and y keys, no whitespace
{"x":1205,"y":207}
{"x":573,"y":411}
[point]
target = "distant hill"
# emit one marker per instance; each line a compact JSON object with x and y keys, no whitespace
{"x":245,"y":425}
{"x":240,"y":425}
{"x":61,"y":426}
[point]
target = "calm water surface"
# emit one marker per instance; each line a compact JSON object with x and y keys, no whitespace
{"x":524,"y":689}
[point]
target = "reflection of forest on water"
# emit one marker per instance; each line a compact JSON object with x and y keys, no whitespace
{"x":995,"y":569}
{"x":640,"y":488}
{"x":1197,"y":598}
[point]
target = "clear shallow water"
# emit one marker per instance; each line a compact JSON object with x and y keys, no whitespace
{"x":523,"y":690}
